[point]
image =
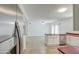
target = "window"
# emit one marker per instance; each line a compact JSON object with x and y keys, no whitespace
{"x":55,"y":29}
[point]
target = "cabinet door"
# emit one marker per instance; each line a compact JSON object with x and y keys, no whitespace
{"x":53,"y":40}
{"x":50,"y":40}
{"x":68,"y":40}
{"x":56,"y":40}
{"x":74,"y":41}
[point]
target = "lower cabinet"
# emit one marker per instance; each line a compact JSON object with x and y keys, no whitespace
{"x":72,"y":41}
{"x":52,"y":40}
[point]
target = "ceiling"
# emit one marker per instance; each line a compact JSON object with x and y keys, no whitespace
{"x":47,"y":11}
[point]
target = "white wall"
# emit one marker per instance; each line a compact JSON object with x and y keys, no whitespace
{"x":7,"y":24}
{"x":65,"y":25}
{"x":6,"y":29}
{"x":36,"y":28}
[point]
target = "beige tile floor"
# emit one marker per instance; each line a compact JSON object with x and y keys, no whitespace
{"x":53,"y":49}
{"x":46,"y":50}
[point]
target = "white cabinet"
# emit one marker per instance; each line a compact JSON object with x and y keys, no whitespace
{"x":52,"y":40}
{"x":72,"y":39}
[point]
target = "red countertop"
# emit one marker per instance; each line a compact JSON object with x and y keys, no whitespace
{"x":69,"y":50}
{"x":73,"y":34}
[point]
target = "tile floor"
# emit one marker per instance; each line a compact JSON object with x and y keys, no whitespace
{"x":43,"y":50}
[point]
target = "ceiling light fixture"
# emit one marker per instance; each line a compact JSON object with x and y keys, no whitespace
{"x":62,"y":10}
{"x":43,"y":22}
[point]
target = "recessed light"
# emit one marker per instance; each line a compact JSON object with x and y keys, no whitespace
{"x":43,"y":22}
{"x":62,"y":10}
